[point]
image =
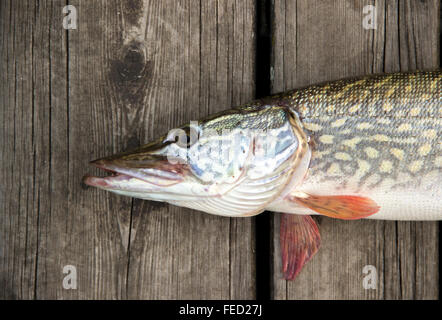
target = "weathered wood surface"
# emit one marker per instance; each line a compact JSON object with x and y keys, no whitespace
{"x":128,"y":73}
{"x":134,"y":69}
{"x":316,"y":41}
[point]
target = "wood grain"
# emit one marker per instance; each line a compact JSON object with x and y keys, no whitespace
{"x":324,"y":40}
{"x":131,"y":71}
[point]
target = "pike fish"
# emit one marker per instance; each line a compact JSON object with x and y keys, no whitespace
{"x":367,"y":147}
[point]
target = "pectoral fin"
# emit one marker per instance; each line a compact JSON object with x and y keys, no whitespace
{"x":300,"y":240}
{"x":339,"y":207}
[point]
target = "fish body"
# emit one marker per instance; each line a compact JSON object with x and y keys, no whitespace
{"x":377,"y":136}
{"x":367,"y":147}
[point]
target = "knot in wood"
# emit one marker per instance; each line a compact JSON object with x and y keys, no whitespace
{"x":133,"y":62}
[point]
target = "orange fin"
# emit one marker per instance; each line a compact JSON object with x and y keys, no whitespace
{"x":300,"y":240}
{"x":339,"y":207}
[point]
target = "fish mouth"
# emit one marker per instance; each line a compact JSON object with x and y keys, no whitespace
{"x":108,"y":182}
{"x":124,"y":171}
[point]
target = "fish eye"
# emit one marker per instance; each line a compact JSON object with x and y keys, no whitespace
{"x":184,"y":141}
{"x":184,"y":137}
{"x":172,"y":136}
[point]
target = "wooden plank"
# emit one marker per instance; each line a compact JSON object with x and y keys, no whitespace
{"x":203,"y":55}
{"x":324,"y":40}
{"x":131,"y":71}
{"x":20,"y":164}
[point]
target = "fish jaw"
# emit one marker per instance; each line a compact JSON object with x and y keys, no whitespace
{"x":160,"y":168}
{"x":126,"y":177}
{"x":106,"y":183}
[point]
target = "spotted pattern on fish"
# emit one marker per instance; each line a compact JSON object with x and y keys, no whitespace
{"x":383,"y":127}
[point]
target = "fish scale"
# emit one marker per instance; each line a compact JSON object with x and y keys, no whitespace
{"x":395,"y":129}
{"x":399,"y":95}
{"x":377,"y":136}
{"x":382,"y":144}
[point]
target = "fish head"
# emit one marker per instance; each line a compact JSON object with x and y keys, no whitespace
{"x":249,"y":149}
